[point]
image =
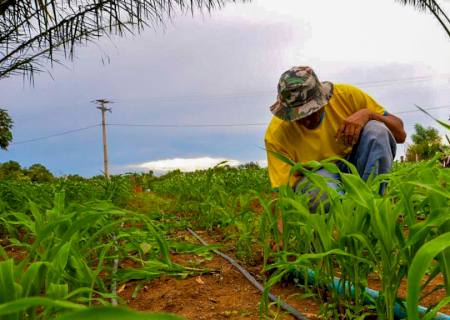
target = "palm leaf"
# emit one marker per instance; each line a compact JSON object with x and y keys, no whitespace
{"x":434,"y":8}
{"x":32,"y":32}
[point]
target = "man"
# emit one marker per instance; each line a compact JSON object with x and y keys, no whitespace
{"x":314,"y":121}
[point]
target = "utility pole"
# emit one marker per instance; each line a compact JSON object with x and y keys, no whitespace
{"x":102,"y":107}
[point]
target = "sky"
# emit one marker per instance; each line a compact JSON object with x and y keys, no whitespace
{"x":197,"y":91}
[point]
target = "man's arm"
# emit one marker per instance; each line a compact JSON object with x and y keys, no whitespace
{"x":394,"y":124}
{"x":349,"y":132}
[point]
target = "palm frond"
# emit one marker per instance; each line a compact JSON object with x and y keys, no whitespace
{"x":32,"y":31}
{"x":434,"y":8}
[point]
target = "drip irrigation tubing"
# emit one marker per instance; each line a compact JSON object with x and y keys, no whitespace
{"x":285,"y":306}
{"x":336,"y":284}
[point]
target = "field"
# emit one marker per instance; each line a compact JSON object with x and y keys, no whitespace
{"x":75,"y":248}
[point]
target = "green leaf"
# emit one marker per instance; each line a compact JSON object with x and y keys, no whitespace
{"x":438,"y":121}
{"x":282,"y":157}
{"x":418,"y":269}
{"x":432,"y":313}
{"x":57,"y":291}
{"x":61,"y":258}
{"x":38,"y":219}
{"x":115,"y":313}
{"x":25,"y":303}
{"x":33,"y":279}
{"x":357,"y":190}
{"x":436,"y":189}
{"x":7,"y":284}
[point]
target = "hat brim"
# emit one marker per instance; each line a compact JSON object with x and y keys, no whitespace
{"x":284,"y":112}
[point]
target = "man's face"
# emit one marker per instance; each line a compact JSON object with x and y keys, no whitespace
{"x":312,"y":121}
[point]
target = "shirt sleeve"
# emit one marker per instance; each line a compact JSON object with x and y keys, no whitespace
{"x":279,"y":171}
{"x":362,"y":100}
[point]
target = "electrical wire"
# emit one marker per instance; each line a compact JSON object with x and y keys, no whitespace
{"x":235,"y":124}
{"x":416,"y":110}
{"x":244,"y":94}
{"x":285,"y":306}
{"x":216,"y":125}
{"x":56,"y":134}
{"x":187,"y":125}
{"x":369,"y":84}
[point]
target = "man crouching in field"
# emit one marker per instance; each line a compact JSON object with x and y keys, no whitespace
{"x":315,"y":121}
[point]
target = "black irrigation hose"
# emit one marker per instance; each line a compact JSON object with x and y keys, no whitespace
{"x":285,"y":306}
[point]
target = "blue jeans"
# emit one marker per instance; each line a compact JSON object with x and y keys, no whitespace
{"x":373,"y":154}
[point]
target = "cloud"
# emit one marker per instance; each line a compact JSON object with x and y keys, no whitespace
{"x":221,"y":69}
{"x":183,"y":164}
{"x":262,"y":163}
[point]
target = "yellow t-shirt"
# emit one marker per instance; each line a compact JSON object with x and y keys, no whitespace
{"x":303,"y":145}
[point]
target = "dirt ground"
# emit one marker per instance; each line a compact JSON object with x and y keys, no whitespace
{"x":433,"y":298}
{"x":226,"y":294}
{"x":223,"y":293}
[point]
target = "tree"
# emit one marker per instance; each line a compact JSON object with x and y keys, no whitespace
{"x":11,"y":170}
{"x":74,"y":178}
{"x":426,"y":142}
{"x":250,"y":165}
{"x":6,"y":124}
{"x":39,"y":173}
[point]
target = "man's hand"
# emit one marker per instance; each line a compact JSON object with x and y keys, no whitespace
{"x":349,"y":132}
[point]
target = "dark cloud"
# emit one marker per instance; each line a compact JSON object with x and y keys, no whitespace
{"x":212,"y":70}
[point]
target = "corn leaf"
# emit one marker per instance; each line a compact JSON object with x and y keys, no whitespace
{"x":419,"y":267}
{"x":25,"y":303}
{"x":114,"y":313}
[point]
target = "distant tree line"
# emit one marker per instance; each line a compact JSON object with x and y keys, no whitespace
{"x":12,"y":170}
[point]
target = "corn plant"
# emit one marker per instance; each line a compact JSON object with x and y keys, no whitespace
{"x":111,"y":313}
{"x":359,"y":232}
{"x":71,"y":251}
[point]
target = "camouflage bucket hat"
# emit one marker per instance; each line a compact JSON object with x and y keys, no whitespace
{"x":300,"y":93}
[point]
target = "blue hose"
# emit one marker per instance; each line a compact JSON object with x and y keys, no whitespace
{"x":339,"y":286}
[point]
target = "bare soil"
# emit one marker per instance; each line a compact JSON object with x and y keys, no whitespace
{"x":225,"y":294}
{"x":432,"y":299}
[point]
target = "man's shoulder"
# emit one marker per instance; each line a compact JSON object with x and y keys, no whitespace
{"x":345,"y":88}
{"x":275,"y":129}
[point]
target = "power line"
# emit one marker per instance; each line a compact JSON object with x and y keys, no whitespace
{"x":432,"y":108}
{"x":187,"y":125}
{"x":366,"y":84}
{"x":209,"y":125}
{"x":184,"y":125}
{"x":56,"y":134}
{"x":401,"y":80}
